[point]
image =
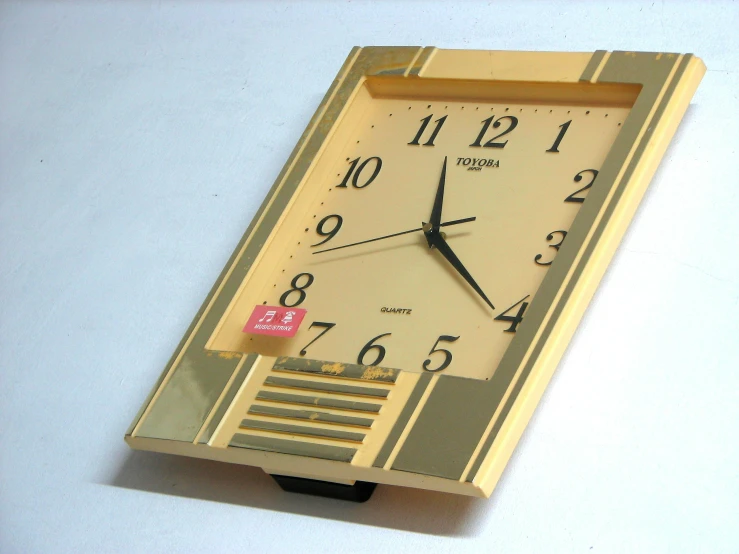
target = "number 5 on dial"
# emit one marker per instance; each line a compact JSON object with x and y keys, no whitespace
{"x":447,"y":354}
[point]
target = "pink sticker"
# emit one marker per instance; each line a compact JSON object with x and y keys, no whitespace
{"x":276,"y":321}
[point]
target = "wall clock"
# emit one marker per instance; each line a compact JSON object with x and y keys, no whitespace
{"x":402,"y":297}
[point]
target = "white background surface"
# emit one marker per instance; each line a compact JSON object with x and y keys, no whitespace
{"x":136,"y":142}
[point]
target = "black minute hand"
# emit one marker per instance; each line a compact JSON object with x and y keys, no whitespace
{"x":447,"y":224}
{"x":435,"y":239}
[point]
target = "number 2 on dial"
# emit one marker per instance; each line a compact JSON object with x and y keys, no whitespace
{"x":580,"y":199}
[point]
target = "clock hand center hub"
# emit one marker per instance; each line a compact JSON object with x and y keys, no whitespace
{"x":430,"y":233}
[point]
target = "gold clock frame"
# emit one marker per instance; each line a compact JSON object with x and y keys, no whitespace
{"x":437,"y":432}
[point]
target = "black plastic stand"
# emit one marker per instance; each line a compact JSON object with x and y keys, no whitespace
{"x":360,"y":491}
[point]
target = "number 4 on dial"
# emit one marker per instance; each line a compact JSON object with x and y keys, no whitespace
{"x":514,"y":320}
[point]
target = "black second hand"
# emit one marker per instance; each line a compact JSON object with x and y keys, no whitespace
{"x":447,"y":224}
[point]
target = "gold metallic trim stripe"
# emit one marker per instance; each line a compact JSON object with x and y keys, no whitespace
{"x":449,"y":427}
{"x":182,"y":405}
{"x":318,"y":417}
{"x":611,"y":73}
{"x":410,"y":406}
{"x":318,"y":401}
{"x":593,"y":65}
{"x":301,"y":430}
{"x":399,"y":67}
{"x":325,"y":387}
{"x":416,"y":67}
{"x":312,"y":450}
{"x":446,"y":451}
{"x":228,"y":398}
{"x":194,"y":378}
{"x":154,"y":420}
{"x":339,"y":370}
{"x":201,"y":374}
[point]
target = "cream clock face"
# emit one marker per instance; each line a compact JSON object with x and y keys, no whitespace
{"x":354,"y":254}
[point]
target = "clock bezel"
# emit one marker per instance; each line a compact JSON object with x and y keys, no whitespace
{"x":481,"y":421}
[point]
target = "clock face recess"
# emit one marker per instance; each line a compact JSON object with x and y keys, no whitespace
{"x":514,"y":176}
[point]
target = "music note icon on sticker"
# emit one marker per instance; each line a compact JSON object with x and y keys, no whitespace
{"x":268,"y":317}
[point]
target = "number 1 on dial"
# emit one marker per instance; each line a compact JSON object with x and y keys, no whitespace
{"x":560,"y":136}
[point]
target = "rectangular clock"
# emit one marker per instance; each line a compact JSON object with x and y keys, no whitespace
{"x":400,"y":301}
